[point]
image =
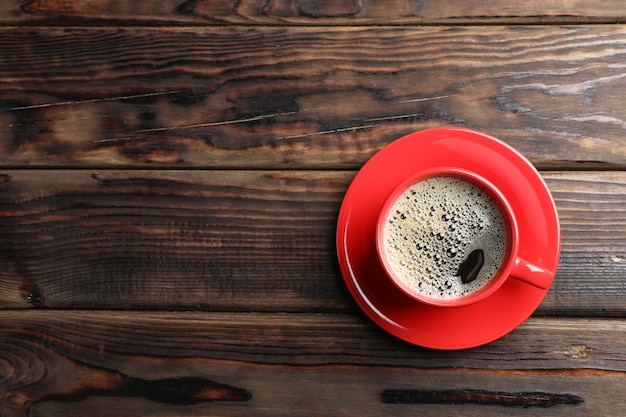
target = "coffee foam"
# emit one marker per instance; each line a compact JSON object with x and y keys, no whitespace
{"x":432,"y":228}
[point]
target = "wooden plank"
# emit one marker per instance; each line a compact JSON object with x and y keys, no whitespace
{"x":310,"y":12}
{"x":217,"y":239}
{"x":245,"y":240}
{"x":592,"y":231}
{"x":266,"y":97}
{"x":158,"y":364}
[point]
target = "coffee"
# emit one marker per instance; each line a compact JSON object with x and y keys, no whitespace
{"x":445,"y":238}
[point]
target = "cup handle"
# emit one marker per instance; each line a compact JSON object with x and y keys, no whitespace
{"x":532,"y":274}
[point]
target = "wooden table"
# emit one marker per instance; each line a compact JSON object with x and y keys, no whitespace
{"x":171,"y":174}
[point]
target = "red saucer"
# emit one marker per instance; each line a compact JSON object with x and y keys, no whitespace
{"x":446,"y":327}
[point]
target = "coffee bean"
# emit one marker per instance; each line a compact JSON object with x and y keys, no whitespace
{"x":470,"y":267}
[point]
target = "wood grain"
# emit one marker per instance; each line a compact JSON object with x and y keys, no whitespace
{"x":299,"y":365}
{"x":309,"y":12}
{"x":216,"y":240}
{"x":245,"y":240}
{"x":305,"y":97}
{"x":171,"y":174}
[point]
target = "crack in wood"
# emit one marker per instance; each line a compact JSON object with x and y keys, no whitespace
{"x":327,"y":132}
{"x":173,"y":391}
{"x":212,"y":124}
{"x":95,"y":100}
{"x":529,"y":399}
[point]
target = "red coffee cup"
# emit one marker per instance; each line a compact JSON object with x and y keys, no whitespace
{"x":530,"y":238}
{"x":444,"y":285}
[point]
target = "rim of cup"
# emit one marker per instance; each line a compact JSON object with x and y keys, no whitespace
{"x":512,"y":244}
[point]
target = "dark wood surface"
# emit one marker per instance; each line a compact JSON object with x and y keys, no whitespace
{"x":308,"y":12}
{"x":305,"y":97}
{"x":171,"y":174}
{"x":237,"y":240}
